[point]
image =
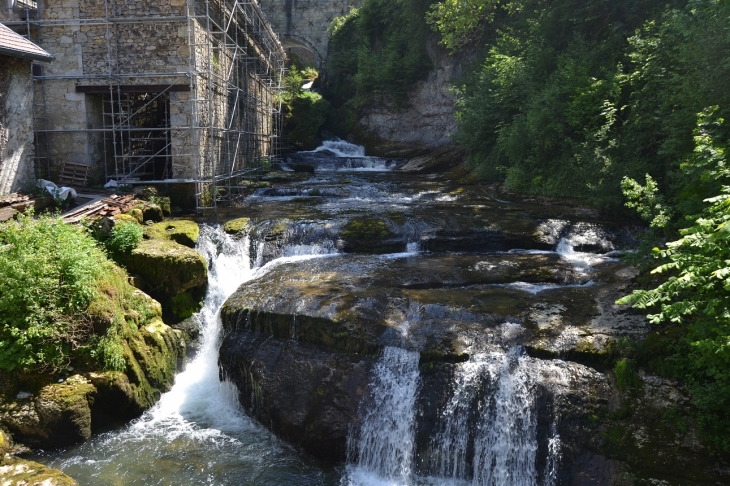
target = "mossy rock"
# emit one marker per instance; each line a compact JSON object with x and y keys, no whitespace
{"x":167,"y":267}
{"x":370,"y":235}
{"x":236,"y":226}
{"x":64,"y":411}
{"x":170,"y":270}
{"x":126,"y":218}
{"x":184,"y":305}
{"x":16,"y":471}
{"x":137,"y":214}
{"x":152,"y":212}
{"x":183,"y":231}
{"x":59,"y":415}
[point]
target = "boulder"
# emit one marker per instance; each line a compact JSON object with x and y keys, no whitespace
{"x":236,"y":226}
{"x":152,"y":212}
{"x":183,"y":231}
{"x":16,"y":471}
{"x":174,"y":274}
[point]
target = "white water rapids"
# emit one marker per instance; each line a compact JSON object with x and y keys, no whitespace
{"x":197,"y":433}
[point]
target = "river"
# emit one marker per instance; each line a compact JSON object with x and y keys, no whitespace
{"x":199,"y":434}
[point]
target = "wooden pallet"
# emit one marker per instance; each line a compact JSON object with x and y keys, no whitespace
{"x":73,"y":175}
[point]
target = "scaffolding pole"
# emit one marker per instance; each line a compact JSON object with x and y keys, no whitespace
{"x":226,"y":128}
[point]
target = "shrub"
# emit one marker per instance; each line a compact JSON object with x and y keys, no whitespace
{"x":124,"y":237}
{"x":59,"y":291}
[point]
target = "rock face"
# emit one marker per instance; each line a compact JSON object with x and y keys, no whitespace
{"x":51,"y":415}
{"x":301,"y":342}
{"x":170,"y":272}
{"x":514,"y":299}
{"x":428,"y":119}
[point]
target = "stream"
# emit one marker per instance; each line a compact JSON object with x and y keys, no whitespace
{"x":463,"y":258}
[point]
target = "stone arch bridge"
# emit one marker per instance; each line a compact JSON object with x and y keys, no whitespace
{"x":302,"y":24}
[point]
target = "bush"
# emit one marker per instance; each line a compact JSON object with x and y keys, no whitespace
{"x":695,"y":290}
{"x":59,"y":291}
{"x":124,"y":237}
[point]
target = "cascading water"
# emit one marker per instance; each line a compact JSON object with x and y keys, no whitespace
{"x":505,"y":443}
{"x":382,"y":449}
{"x":341,"y":148}
{"x":197,"y":434}
{"x":502,"y":447}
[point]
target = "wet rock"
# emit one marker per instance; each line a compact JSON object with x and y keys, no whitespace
{"x":172,"y":273}
{"x":336,"y":314}
{"x":307,"y":394}
{"x":50,"y":415}
{"x":181,"y":231}
{"x":236,"y":226}
{"x":20,"y":472}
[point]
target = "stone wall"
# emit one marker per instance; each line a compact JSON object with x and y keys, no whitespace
{"x":305,"y":22}
{"x":150,"y":46}
{"x":16,"y":125}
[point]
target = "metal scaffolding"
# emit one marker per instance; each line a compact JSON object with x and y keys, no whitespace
{"x":226,"y":123}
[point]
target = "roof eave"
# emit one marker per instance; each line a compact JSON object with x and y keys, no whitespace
{"x":26,"y":55}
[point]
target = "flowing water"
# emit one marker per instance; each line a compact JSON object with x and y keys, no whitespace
{"x":197,"y":433}
{"x":487,"y":432}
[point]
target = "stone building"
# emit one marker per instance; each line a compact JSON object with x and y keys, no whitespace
{"x":16,"y":110}
{"x":181,"y":91}
{"x":302,"y":24}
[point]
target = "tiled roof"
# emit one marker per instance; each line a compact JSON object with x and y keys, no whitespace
{"x":14,"y":45}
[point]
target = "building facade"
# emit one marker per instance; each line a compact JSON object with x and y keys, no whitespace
{"x":17,"y":170}
{"x":181,"y":91}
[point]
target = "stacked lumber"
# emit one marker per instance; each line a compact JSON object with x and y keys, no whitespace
{"x":106,"y":207}
{"x":13,"y":198}
{"x":15,"y":203}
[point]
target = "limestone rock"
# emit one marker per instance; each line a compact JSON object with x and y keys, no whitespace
{"x":20,"y":472}
{"x":152,"y":212}
{"x":181,"y":231}
{"x":172,"y":273}
{"x":236,"y":226}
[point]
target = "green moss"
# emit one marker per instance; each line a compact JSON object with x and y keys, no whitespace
{"x":126,"y":217}
{"x":184,"y":305}
{"x":182,"y":231}
{"x":137,"y":214}
{"x":236,"y":226}
{"x":19,"y":471}
{"x":626,"y":376}
{"x":366,"y":229}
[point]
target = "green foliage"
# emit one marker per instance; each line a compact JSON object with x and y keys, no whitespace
{"x":124,"y":237}
{"x":573,"y":96}
{"x":646,"y":201}
{"x":695,"y":290}
{"x":304,"y":111}
{"x":62,"y":300}
{"x":376,"y":52}
{"x":626,"y":376}
{"x":49,"y":272}
{"x":458,"y":21}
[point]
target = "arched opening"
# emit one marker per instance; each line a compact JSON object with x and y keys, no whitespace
{"x":299,"y":49}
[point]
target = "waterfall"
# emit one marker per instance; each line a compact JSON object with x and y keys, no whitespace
{"x":382,"y":448}
{"x":502,"y":447}
{"x":198,"y":396}
{"x":197,"y":433}
{"x":505,"y":443}
{"x":451,"y":445}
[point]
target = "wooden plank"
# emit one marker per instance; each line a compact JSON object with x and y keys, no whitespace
{"x":7,"y":213}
